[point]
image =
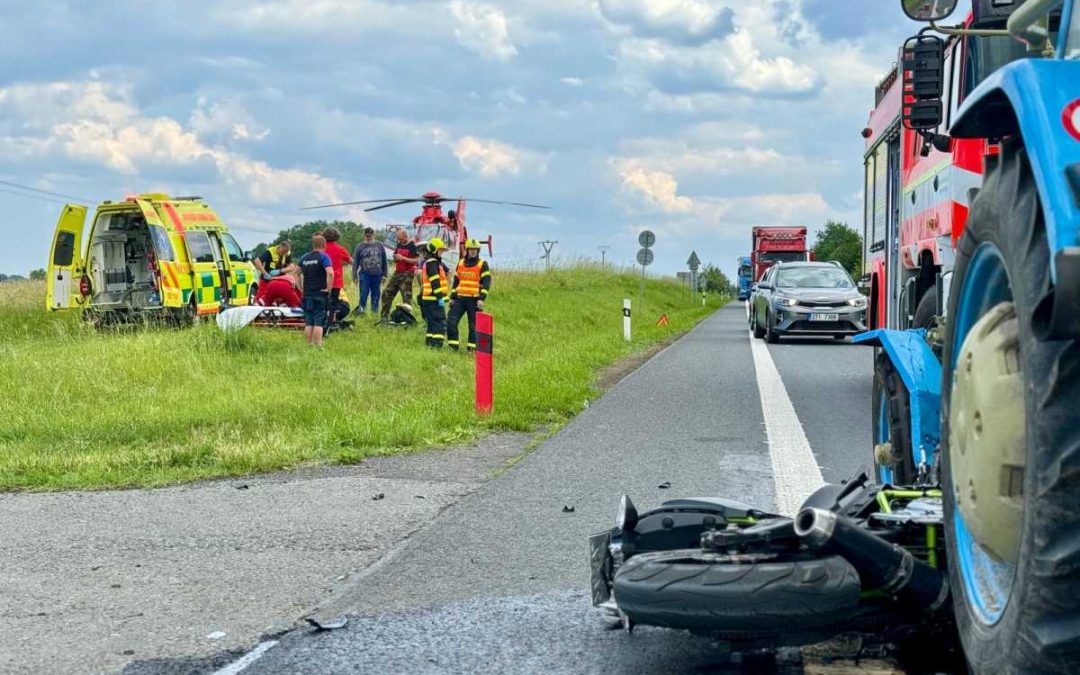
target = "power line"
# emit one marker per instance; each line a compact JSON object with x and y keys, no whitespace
{"x":548,"y":245}
{"x":50,"y":200}
{"x":44,"y":192}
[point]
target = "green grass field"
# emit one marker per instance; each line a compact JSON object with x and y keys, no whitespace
{"x":149,"y":407}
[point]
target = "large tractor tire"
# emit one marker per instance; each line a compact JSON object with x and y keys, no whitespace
{"x":1013,"y":532}
{"x":891,"y":406}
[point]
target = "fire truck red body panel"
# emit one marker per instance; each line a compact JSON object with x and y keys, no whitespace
{"x":915,"y":205}
{"x":775,"y":244}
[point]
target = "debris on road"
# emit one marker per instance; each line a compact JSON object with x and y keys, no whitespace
{"x":331,"y":624}
{"x":568,"y":509}
{"x":378,"y":496}
{"x":665,"y":485}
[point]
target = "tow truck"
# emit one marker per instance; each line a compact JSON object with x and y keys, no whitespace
{"x":972,"y":526}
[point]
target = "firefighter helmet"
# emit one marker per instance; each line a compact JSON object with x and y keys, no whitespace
{"x":472,"y":243}
{"x":436,"y":244}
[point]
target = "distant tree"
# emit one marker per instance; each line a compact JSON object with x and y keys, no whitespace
{"x":841,"y":243}
{"x":300,"y":235}
{"x":714,"y":280}
{"x":37,"y":274}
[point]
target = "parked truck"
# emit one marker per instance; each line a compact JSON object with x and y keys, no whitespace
{"x":770,"y":245}
{"x":973,"y":257}
{"x":746,"y":277}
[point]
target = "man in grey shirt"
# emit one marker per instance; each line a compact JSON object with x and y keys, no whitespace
{"x":369,"y":268}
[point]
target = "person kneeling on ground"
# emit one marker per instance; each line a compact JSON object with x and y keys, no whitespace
{"x":402,"y":316}
{"x":282,"y":291}
{"x":434,"y":289}
{"x":472,"y":282}
{"x":274,"y":261}
{"x":318,"y":274}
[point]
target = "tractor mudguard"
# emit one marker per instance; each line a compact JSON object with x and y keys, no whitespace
{"x":921,"y":373}
{"x":1038,"y":99}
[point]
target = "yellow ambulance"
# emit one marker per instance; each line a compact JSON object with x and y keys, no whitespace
{"x":147,"y":255}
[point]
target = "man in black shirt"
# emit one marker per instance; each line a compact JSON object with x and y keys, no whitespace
{"x":318,"y":272}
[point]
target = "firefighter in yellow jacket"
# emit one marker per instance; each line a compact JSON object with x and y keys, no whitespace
{"x":434,"y":290}
{"x":472,"y":282}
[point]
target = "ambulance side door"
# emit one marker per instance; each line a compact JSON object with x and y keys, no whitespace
{"x":168,"y":271}
{"x":206,"y":283}
{"x":221,"y":258}
{"x":66,"y":263}
{"x":241,"y":272}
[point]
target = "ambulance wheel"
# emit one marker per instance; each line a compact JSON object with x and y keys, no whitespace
{"x":1016,"y":610}
{"x":186,"y":316}
{"x":252,"y":290}
{"x":891,"y":425}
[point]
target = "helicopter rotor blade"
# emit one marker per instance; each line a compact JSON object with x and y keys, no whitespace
{"x":397,"y":200}
{"x":490,"y":201}
{"x":397,"y":203}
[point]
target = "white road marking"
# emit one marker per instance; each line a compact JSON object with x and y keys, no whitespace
{"x":247,"y":659}
{"x":795,"y":469}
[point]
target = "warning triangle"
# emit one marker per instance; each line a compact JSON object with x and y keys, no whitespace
{"x":663,"y":320}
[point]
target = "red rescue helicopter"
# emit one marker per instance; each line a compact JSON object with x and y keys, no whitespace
{"x":431,"y":222}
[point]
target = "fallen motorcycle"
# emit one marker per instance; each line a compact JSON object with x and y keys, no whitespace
{"x":857,"y":558}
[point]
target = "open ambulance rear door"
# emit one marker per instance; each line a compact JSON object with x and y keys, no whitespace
{"x":62,"y":290}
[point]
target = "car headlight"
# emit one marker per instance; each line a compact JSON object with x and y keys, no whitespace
{"x":857,"y":302}
{"x":786,"y":302}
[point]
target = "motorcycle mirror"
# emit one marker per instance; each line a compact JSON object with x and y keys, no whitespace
{"x":627,"y":516}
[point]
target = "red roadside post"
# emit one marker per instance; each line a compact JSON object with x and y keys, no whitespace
{"x":484,"y":380}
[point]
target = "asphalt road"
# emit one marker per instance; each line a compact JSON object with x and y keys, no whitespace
{"x":497,"y":582}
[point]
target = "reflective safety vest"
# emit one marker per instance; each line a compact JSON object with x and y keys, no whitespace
{"x":277,"y":261}
{"x":429,"y":291}
{"x":471,"y":278}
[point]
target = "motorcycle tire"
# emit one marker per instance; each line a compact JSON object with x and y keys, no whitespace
{"x":737,"y":600}
{"x":1038,"y":627}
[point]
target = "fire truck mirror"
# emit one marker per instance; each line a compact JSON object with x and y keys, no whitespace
{"x":923,"y":82}
{"x":928,"y":10}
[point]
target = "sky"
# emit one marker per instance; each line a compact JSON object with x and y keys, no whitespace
{"x":696,"y":119}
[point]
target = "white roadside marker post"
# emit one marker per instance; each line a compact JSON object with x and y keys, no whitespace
{"x":626,"y":319}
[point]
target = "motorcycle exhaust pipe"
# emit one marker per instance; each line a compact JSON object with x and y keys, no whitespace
{"x":880,"y":563}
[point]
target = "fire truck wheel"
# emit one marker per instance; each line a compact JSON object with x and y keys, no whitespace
{"x":1019,"y":612}
{"x":891,"y":406}
{"x":924,"y":311}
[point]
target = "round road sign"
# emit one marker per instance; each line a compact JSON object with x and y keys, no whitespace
{"x":644,"y":257}
{"x":646,"y":239}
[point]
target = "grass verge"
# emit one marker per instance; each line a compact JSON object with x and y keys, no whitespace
{"x":152,"y":407}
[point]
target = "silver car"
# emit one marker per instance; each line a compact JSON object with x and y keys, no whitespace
{"x":807,"y":298}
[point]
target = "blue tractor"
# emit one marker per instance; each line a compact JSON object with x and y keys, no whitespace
{"x":985,"y":401}
{"x":746,"y":277}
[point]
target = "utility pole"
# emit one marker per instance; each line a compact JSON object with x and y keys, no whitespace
{"x":548,"y":245}
{"x":603,"y":256}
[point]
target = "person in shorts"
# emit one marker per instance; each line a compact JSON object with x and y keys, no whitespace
{"x":317,"y":271}
{"x":339,"y":256}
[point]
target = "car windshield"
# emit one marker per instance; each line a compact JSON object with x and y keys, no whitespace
{"x":813,"y":277}
{"x":783,"y":256}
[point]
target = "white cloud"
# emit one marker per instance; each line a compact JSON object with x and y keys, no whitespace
{"x":690,"y":20}
{"x":490,"y":158}
{"x":659,"y":188}
{"x":482,"y":29}
{"x":572,"y":81}
{"x":98,"y":123}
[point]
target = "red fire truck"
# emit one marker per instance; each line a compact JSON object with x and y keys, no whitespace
{"x":917,"y":191}
{"x":771,"y":245}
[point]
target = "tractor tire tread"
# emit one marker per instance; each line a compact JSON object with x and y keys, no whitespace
{"x":1039,"y":630}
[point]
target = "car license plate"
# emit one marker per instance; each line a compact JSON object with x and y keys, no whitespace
{"x":824,"y":317}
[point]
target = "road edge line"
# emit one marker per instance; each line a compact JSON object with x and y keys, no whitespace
{"x":796,"y":473}
{"x":246,"y":660}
